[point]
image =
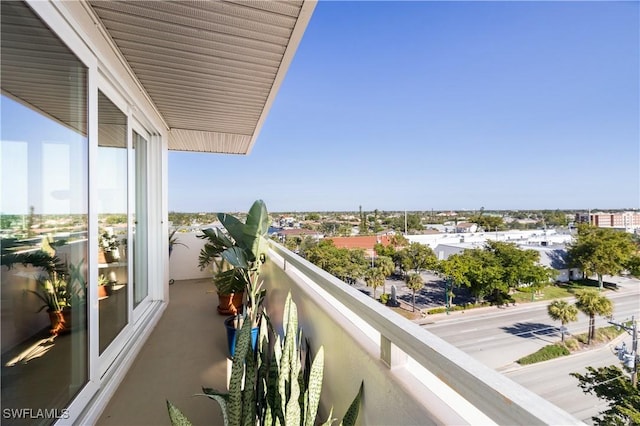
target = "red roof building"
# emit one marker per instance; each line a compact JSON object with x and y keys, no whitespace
{"x":365,"y":242}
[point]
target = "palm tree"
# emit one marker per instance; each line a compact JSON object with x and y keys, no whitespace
{"x":415,"y":283}
{"x":592,"y":303}
{"x":374,"y":278}
{"x":386,"y":265}
{"x":559,"y":310}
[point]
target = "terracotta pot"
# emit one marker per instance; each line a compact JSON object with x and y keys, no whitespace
{"x":60,"y":321}
{"x":102,"y":291}
{"x":230,"y":304}
{"x":101,"y":257}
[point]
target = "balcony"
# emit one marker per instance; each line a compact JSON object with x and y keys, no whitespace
{"x":410,"y":376}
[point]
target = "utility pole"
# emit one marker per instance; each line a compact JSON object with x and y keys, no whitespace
{"x":633,"y":330}
{"x":405,"y":223}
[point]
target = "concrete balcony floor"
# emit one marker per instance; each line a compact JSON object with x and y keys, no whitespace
{"x":186,"y":351}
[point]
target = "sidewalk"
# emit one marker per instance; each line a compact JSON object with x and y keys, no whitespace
{"x":603,"y":346}
{"x":625,"y":285}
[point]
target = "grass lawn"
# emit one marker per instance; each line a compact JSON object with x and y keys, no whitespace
{"x":572,"y":344}
{"x":557,"y":291}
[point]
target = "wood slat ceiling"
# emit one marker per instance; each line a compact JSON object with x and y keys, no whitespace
{"x":210,"y":67}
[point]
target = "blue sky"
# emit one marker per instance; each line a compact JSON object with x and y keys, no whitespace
{"x":442,"y":105}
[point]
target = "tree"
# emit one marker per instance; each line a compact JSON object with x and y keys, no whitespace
{"x":414,"y":283}
{"x":417,"y":257}
{"x":560,"y":310}
{"x":382,"y":250}
{"x":488,"y":223}
{"x":313,"y":216}
{"x":612,"y":385}
{"x":520,"y":266}
{"x":454,"y":269}
{"x":592,"y":303}
{"x":374,"y":277}
{"x":398,"y":240}
{"x":554,"y":218}
{"x":634,"y":265}
{"x":364,"y":228}
{"x":485,"y":275}
{"x":601,"y":251}
{"x":387,"y":267}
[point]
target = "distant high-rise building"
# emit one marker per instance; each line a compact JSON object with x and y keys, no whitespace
{"x":629,"y":221}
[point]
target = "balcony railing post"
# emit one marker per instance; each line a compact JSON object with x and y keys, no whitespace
{"x":390,"y":354}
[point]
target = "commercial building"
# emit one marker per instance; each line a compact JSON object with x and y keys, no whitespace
{"x":627,"y":221}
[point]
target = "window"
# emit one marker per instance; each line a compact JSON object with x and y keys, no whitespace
{"x":43,"y":217}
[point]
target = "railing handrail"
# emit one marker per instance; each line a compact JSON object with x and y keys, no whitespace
{"x":498,"y":397}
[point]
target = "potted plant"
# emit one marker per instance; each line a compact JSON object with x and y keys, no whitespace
{"x":230,"y":288}
{"x":103,"y":286}
{"x":278,"y":384}
{"x":109,"y":245}
{"x":174,"y":241}
{"x":244,"y":247}
{"x":58,"y":293}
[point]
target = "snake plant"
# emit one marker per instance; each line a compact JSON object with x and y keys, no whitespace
{"x":272,"y":386}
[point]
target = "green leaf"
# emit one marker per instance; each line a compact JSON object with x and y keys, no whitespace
{"x":351,"y":415}
{"x":236,"y":257}
{"x":256,"y":228}
{"x":221,"y":398}
{"x":315,"y":387}
{"x":228,"y":282}
{"x":176,"y":416}
{"x":234,"y":227}
{"x":243,"y":344}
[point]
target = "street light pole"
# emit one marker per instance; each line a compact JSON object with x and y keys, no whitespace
{"x":633,"y":330}
{"x":447,"y":286}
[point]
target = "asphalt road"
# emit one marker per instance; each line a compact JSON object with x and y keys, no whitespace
{"x":498,"y":337}
{"x":551,"y":380}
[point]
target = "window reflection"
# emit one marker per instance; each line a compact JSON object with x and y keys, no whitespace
{"x":112,"y":221}
{"x":43,"y":217}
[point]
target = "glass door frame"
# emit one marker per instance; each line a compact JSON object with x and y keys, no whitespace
{"x":107,"y":357}
{"x":137,"y":312}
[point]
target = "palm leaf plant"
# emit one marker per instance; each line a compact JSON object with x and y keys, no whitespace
{"x":244,"y":247}
{"x":53,"y":293}
{"x":174,"y":241}
{"x":59,"y":293}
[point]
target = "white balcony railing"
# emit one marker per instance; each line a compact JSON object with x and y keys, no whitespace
{"x":410,"y":375}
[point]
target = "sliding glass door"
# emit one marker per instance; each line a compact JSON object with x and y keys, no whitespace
{"x":140,"y":216}
{"x":113,"y":231}
{"x":44,"y":220}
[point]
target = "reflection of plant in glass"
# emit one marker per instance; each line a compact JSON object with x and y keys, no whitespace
{"x":60,"y":291}
{"x":53,"y":293}
{"x":108,"y":240}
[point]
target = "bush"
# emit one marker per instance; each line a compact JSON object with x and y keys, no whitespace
{"x":572,"y":344}
{"x":548,"y":352}
{"x":384,"y":298}
{"x":434,"y":311}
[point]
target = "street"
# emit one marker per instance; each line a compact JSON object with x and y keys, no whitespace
{"x":551,"y":380}
{"x":498,"y":337}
